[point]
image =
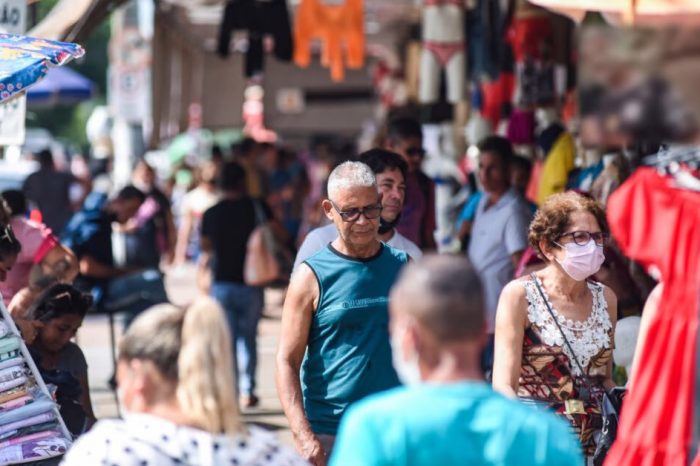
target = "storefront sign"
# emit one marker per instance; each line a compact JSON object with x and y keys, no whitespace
{"x":290,"y":101}
{"x":13,"y":16}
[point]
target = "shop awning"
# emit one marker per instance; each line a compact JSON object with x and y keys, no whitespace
{"x":74,"y":20}
{"x":24,"y":61}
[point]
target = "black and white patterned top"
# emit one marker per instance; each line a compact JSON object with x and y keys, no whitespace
{"x":144,"y":440}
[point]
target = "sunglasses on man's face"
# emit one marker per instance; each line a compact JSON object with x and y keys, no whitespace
{"x":415,"y":152}
{"x":370,"y":212}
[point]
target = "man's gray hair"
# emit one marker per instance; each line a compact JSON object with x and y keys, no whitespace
{"x":350,"y":175}
{"x":443,"y":293}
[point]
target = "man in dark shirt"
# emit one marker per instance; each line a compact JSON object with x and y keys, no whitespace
{"x":226,"y":228}
{"x":405,"y":137}
{"x":115,"y":286}
{"x":49,"y":189}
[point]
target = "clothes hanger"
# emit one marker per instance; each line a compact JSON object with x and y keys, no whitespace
{"x":678,"y":163}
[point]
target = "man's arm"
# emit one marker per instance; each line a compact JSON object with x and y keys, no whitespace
{"x":204,"y":278}
{"x":59,"y":265}
{"x":92,"y":268}
{"x":297,"y":313}
{"x":515,"y":234}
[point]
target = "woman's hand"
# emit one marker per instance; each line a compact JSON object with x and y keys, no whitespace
{"x":29,"y":329}
{"x":21,"y":301}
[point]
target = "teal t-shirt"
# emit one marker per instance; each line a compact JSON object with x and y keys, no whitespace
{"x":348,"y":355}
{"x":464,"y":423}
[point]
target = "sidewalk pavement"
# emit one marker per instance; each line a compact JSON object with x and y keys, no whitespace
{"x":93,"y":338}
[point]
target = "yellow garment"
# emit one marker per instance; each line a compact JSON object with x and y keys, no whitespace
{"x":557,"y":166}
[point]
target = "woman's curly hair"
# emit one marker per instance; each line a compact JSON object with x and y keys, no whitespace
{"x":553,"y":217}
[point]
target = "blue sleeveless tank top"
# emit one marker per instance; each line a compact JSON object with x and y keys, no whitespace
{"x":348,"y":355}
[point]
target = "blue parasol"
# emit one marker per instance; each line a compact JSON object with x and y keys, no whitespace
{"x":24,"y":61}
{"x":61,"y":86}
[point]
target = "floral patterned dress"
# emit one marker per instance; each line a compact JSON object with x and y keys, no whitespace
{"x":548,"y":372}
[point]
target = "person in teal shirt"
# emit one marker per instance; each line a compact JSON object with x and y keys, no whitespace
{"x":446,"y":414}
{"x":334,"y":342}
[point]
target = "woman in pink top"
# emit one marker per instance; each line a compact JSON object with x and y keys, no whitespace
{"x":42,"y":261}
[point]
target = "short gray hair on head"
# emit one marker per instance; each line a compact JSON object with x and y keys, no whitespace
{"x":350,"y":175}
{"x":443,"y":293}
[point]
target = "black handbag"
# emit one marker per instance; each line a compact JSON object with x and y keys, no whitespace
{"x":610,"y":404}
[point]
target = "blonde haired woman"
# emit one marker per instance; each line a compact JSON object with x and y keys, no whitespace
{"x":177,"y":388}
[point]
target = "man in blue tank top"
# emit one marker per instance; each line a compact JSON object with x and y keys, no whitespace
{"x":334,"y":345}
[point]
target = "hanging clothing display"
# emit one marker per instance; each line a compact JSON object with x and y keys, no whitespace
{"x":337,"y":26}
{"x":657,"y":224}
{"x":443,"y":50}
{"x":535,"y":84}
{"x":521,"y":127}
{"x":560,"y":157}
{"x":530,"y":34}
{"x":259,"y":18}
{"x":615,"y":170}
{"x":496,"y":96}
{"x":389,"y":83}
{"x":489,"y":53}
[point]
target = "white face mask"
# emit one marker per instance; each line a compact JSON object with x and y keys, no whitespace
{"x":406,"y":368}
{"x":582,"y":261}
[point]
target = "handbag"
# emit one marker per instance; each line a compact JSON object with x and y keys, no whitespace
{"x":267,"y":260}
{"x":609,"y":405}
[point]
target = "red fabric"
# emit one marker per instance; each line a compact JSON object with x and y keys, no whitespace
{"x":495,"y":94}
{"x":533,"y":187}
{"x":528,"y":35}
{"x":657,"y":224}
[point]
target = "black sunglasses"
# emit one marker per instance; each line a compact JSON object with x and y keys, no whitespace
{"x":351,"y":215}
{"x":415,"y":152}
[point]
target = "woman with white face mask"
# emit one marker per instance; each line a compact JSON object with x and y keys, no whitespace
{"x":178,"y":394}
{"x":538,"y":314}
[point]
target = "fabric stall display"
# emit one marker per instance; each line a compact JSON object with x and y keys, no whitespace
{"x":489,"y":54}
{"x":521,"y":127}
{"x":443,"y":49}
{"x":530,"y":32}
{"x":495,"y":96}
{"x":340,"y":27}
{"x":490,"y":57}
{"x":531,"y":36}
{"x":389,"y":82}
{"x":658,"y":224}
{"x":535,"y":83}
{"x":615,"y":170}
{"x":31,"y":428}
{"x":259,"y":18}
{"x":533,"y":188}
{"x":560,"y":155}
{"x":587,"y":176}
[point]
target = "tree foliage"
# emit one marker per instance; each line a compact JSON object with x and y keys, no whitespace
{"x":68,"y":121}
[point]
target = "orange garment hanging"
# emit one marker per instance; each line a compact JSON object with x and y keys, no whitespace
{"x":335,"y":26}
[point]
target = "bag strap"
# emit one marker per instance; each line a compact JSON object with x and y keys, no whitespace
{"x":261,"y":221}
{"x":260,"y":217}
{"x":556,"y":321}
